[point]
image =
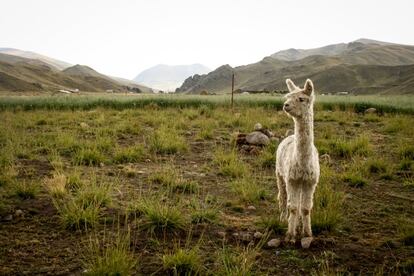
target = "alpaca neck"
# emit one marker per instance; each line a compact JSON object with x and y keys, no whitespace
{"x":304,"y":137}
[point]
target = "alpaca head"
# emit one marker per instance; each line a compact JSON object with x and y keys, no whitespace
{"x":299,"y":102}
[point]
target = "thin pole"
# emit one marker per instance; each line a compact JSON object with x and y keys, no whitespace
{"x":232,"y":90}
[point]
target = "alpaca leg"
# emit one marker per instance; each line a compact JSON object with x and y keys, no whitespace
{"x":282,"y":197}
{"x":306,"y":208}
{"x":293,"y":202}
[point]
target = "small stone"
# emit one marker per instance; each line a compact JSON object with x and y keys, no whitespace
{"x":101,"y":164}
{"x":370,"y":110}
{"x":274,"y":243}
{"x":140,"y":172}
{"x":306,"y":242}
{"x":221,"y":234}
{"x":251,"y":208}
{"x":18,"y":213}
{"x":258,"y":235}
{"x":8,"y":218}
{"x":236,"y":235}
{"x":246,"y":237}
{"x":258,"y":127}
{"x":148,"y":160}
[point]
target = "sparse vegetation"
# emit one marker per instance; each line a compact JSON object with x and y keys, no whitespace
{"x":162,"y":178}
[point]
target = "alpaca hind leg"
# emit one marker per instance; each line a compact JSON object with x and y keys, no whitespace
{"x":293,"y":202}
{"x":282,"y":197}
{"x":306,"y":208}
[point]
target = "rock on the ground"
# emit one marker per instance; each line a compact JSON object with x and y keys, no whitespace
{"x":245,"y":237}
{"x":257,"y":138}
{"x":251,"y":208}
{"x":258,"y":235}
{"x":370,"y":110}
{"x":221,"y":234}
{"x":18,"y":213}
{"x":258,"y":126}
{"x":84,"y":125}
{"x":273,"y":243}
{"x":8,"y":218}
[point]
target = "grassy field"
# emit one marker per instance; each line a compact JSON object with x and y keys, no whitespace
{"x":144,"y":185}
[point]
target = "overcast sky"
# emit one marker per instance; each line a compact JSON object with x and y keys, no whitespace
{"x":124,"y":37}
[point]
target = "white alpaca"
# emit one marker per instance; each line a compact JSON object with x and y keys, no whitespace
{"x":297,"y":163}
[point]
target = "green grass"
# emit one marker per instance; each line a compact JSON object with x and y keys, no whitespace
{"x":183,"y":261}
{"x":388,"y":104}
{"x":25,"y":189}
{"x":229,"y":164}
{"x":237,"y":262}
{"x":248,"y":190}
{"x":273,"y":224}
{"x":328,"y":203}
{"x":110,"y":257}
{"x":167,"y":141}
{"x":159,"y":216}
{"x":129,"y":154}
{"x":359,"y":146}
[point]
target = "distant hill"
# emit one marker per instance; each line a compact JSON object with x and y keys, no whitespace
{"x":362,"y":66}
{"x":24,"y":74}
{"x":58,"y":64}
{"x":169,"y":77}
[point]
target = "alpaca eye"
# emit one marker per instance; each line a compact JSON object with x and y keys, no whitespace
{"x":301,"y":99}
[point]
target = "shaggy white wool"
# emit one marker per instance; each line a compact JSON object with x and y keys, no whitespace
{"x":297,"y":162}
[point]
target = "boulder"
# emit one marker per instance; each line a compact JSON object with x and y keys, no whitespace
{"x":257,"y":138}
{"x":273,"y":243}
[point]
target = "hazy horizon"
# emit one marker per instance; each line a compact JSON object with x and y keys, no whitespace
{"x":122,"y":38}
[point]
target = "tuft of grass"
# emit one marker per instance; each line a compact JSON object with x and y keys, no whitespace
{"x":248,"y":190}
{"x":114,"y":258}
{"x":406,"y":231}
{"x":88,"y":156}
{"x":56,"y":185}
{"x":359,"y":146}
{"x":273,"y":224}
{"x":406,"y":165}
{"x":376,"y":166}
{"x":167,"y":141}
{"x":239,"y":262}
{"x":355,"y":180}
{"x":267,"y":158}
{"x":129,"y":154}
{"x":230,"y":165}
{"x":159,"y":216}
{"x":74,"y":181}
{"x":203,"y":212}
{"x":406,"y":151}
{"x":171,"y":178}
{"x":183,"y":261}
{"x":82,"y":208}
{"x":25,"y":189}
{"x":327,"y":211}
{"x":75,"y":215}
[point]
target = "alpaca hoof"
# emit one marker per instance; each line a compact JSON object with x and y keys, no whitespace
{"x":306,"y":242}
{"x":290,"y":239}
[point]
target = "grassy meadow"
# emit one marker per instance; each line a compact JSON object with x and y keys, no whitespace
{"x":155,"y":185}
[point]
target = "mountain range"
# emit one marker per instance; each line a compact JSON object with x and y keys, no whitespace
{"x":29,"y":71}
{"x":363,"y":66}
{"x":169,"y":77}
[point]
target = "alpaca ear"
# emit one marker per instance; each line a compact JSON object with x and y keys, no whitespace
{"x":308,"y":87}
{"x":291,"y":86}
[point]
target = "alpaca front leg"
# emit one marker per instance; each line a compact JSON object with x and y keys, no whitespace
{"x":293,"y":200}
{"x":282,"y":198}
{"x":306,"y":208}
